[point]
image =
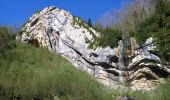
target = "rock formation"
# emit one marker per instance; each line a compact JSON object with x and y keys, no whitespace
{"x":69,"y":36}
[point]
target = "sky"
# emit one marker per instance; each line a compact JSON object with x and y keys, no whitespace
{"x":16,"y":12}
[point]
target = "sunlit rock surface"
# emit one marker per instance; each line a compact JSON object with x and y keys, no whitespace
{"x":62,"y":33}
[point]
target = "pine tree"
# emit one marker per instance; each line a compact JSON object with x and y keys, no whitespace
{"x":89,"y":22}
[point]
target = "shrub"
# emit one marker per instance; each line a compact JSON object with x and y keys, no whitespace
{"x":108,"y":37}
{"x":6,"y":34}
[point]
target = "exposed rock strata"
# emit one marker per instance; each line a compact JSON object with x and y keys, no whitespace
{"x":67,"y":35}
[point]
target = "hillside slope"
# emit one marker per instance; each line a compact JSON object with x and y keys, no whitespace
{"x":27,"y":72}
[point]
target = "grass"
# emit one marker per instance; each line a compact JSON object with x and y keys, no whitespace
{"x":162,"y":92}
{"x":27,"y":72}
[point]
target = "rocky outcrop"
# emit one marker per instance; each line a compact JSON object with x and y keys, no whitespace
{"x":69,"y":36}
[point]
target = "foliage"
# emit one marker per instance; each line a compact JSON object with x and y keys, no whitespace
{"x":28,"y":72}
{"x":158,"y":26}
{"x":162,"y":15}
{"x":146,"y":28}
{"x":108,"y":37}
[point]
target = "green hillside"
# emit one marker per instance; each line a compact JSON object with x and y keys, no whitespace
{"x":28,"y":72}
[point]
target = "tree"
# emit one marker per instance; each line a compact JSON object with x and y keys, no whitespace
{"x":89,"y":22}
{"x":128,"y":18}
{"x":6,"y":35}
{"x":108,"y":37}
{"x":158,"y":26}
{"x":162,"y":19}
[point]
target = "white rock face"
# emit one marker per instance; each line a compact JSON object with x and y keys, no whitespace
{"x":67,"y":35}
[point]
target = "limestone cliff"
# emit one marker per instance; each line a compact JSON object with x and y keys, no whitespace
{"x":69,"y":36}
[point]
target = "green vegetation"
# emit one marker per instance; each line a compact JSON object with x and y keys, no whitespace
{"x":28,"y":72}
{"x":5,"y":32}
{"x":158,"y":26}
{"x":161,"y":93}
{"x":108,"y":37}
{"x":6,"y":35}
{"x":80,"y":22}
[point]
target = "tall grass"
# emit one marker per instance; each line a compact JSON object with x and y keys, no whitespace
{"x":162,"y":92}
{"x":27,"y":72}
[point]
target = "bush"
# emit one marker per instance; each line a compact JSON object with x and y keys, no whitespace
{"x":108,"y":37}
{"x":146,"y":29}
{"x":6,"y":34}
